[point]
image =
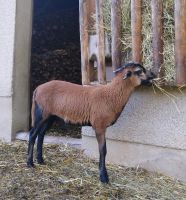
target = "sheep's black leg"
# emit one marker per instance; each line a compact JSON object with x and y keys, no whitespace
{"x":40,"y":144}
{"x":33,"y":135}
{"x":30,"y":134}
{"x":32,"y":139}
{"x":47,"y":124}
{"x":102,"y":152}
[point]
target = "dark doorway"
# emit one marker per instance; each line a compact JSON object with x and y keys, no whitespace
{"x":55,"y":43}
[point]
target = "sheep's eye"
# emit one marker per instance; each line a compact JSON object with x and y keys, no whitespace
{"x":139,"y":72}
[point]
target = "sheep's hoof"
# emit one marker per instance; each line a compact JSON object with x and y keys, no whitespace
{"x":30,"y":164}
{"x":40,"y":161}
{"x":104,"y":178}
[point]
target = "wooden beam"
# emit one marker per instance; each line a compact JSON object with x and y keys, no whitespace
{"x":180,"y":41}
{"x":83,"y":19}
{"x":116,"y":33}
{"x":157,"y":34}
{"x":136,"y":28}
{"x":100,"y":42}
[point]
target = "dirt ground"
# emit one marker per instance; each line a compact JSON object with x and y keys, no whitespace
{"x":68,"y":174}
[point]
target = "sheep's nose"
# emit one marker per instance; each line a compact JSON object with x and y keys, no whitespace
{"x":152,"y":75}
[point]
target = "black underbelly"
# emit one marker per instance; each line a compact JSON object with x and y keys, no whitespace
{"x":70,"y":123}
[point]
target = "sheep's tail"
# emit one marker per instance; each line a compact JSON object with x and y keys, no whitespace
{"x":33,"y":108}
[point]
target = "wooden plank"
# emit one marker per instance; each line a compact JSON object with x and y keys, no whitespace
{"x":180,"y":41}
{"x":100,"y":42}
{"x":91,"y":11}
{"x":157,"y":33}
{"x":83,"y":19}
{"x":136,"y":28}
{"x":116,"y":33}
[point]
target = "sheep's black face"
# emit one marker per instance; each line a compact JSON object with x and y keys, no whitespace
{"x":145,"y":77}
{"x":137,"y":74}
{"x":148,"y":81}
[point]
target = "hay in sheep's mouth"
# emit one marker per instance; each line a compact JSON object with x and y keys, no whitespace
{"x":69,"y":174}
{"x":158,"y":84}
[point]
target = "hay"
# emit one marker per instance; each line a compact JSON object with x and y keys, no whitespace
{"x":68,"y":174}
{"x":66,"y":130}
{"x":169,"y":62}
{"x":156,"y":85}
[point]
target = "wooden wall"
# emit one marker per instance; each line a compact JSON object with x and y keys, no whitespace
{"x":136,"y":29}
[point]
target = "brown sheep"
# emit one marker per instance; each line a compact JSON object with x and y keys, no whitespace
{"x":99,"y":106}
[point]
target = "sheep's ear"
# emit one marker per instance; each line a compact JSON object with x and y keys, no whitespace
{"x":127,"y":75}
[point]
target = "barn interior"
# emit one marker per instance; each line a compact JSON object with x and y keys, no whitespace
{"x":56,"y":47}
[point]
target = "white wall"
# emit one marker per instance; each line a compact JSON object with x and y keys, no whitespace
{"x":15,"y":37}
{"x":7,"y":32}
{"x":21,"y":78}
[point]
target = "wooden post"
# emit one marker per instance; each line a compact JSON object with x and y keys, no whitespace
{"x":157,"y":40}
{"x":180,"y":41}
{"x":136,"y":27}
{"x":116,"y":33}
{"x":83,"y":19}
{"x":100,"y":42}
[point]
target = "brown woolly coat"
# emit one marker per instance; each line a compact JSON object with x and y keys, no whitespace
{"x":98,"y":105}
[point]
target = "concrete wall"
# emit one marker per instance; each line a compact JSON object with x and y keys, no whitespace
{"x":151,"y":133}
{"x":7,"y":31}
{"x":15,"y":37}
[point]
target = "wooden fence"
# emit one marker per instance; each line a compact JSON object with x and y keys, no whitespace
{"x":136,"y":29}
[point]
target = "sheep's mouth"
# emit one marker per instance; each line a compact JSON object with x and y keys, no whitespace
{"x":147,"y":82}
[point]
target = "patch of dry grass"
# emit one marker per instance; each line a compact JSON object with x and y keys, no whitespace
{"x":68,"y":174}
{"x":67,"y":130}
